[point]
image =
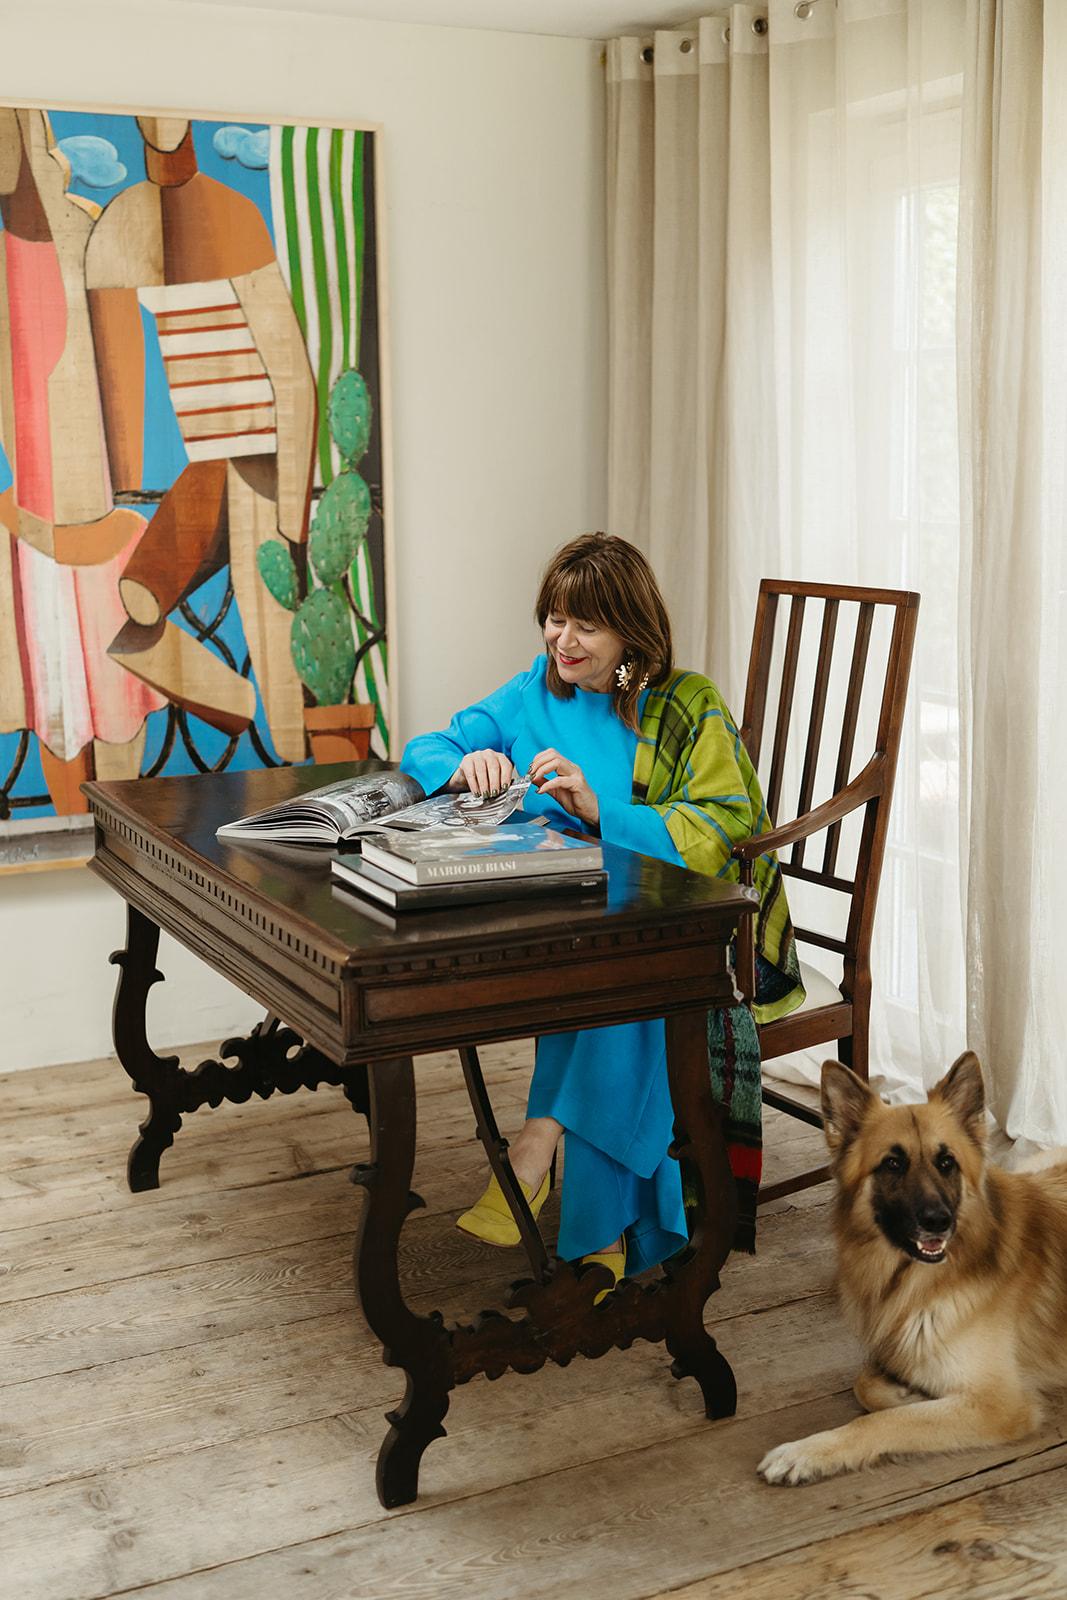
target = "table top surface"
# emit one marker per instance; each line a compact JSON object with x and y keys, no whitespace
{"x":183,"y":813}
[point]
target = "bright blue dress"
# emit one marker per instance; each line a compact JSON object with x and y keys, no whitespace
{"x":606,"y":1086}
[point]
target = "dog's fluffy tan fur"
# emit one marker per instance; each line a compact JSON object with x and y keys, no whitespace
{"x":951,"y":1271}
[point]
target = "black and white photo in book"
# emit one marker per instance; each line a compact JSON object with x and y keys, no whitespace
{"x":372,"y":802}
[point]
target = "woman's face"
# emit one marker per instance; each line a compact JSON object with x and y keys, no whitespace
{"x":585,"y":654}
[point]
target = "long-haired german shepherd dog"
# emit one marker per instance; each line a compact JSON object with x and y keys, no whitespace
{"x":952,"y":1273}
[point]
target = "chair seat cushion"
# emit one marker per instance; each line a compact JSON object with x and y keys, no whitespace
{"x":818,"y":990}
{"x":802,"y":1068}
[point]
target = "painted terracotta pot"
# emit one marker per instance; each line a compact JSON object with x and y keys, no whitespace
{"x":339,"y":733}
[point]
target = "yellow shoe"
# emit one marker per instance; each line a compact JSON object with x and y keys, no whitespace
{"x":615,"y":1261}
{"x":490,"y":1218}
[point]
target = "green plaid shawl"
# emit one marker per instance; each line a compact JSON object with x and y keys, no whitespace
{"x":693,"y":768}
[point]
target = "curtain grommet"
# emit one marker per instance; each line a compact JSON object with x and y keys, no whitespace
{"x":759,"y":26}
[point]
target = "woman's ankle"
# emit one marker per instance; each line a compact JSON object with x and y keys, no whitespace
{"x":528,"y":1166}
{"x":532,"y":1151}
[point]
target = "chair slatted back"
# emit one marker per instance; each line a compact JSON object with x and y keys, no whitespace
{"x":818,"y":715}
{"x":860,"y":651}
{"x":878,"y":770}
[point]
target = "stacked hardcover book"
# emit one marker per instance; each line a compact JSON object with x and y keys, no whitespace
{"x":449,"y":866}
{"x":417,"y":853}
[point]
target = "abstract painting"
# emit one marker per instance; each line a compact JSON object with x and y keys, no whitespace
{"x":193,"y":539}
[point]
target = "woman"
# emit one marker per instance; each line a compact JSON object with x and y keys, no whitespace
{"x":648,"y":757}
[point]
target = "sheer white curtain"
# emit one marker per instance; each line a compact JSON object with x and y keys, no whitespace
{"x":1013,"y":365}
{"x":783,"y":197}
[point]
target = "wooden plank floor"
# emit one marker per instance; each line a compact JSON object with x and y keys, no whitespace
{"x":190,"y":1406}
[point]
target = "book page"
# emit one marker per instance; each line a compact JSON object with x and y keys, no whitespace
{"x":341,"y":809}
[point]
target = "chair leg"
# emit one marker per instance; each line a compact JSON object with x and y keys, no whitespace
{"x":855,"y":1050}
{"x":861,"y":1035}
{"x":496,"y":1148}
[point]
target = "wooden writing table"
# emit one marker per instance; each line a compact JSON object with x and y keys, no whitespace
{"x":352,"y":998}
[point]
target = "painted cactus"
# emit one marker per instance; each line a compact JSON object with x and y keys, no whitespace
{"x":339,"y":526}
{"x":278,"y":571}
{"x":324,"y":652}
{"x":341,"y":521}
{"x":349,"y":414}
{"x":322,"y":640}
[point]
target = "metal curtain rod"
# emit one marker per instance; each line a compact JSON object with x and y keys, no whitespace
{"x":802,"y":11}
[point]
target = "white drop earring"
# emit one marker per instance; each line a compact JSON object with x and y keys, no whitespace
{"x":624,"y":673}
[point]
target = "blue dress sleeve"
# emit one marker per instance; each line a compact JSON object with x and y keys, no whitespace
{"x":639,"y":828}
{"x":489,"y":724}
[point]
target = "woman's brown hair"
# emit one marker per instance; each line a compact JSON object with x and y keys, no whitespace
{"x":601,"y":579}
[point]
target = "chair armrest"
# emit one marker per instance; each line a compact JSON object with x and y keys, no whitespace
{"x":863,"y":787}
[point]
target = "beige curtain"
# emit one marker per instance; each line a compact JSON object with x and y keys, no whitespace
{"x":691,"y":348}
{"x":783,"y":194}
{"x":1013,"y":397}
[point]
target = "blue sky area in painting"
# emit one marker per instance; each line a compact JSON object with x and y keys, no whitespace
{"x":124,"y":134}
{"x":164,"y":456}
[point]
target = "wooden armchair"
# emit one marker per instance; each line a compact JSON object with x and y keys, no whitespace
{"x":834,"y":1015}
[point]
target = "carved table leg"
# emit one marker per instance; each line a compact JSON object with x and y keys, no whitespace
{"x":700,"y":1145}
{"x":270,"y":1059}
{"x":152,"y":1075}
{"x":420,"y":1345}
{"x":356,"y":1091}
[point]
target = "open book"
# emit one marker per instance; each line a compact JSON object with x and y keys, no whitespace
{"x":348,"y":810}
{"x":373,"y":803}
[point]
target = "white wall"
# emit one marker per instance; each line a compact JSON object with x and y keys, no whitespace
{"x":493,"y":215}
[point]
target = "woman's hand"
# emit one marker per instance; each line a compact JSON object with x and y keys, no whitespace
{"x":568,"y":788}
{"x":483,"y":772}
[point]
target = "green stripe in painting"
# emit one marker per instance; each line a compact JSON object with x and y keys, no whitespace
{"x":370,"y":678}
{"x":337,"y":145}
{"x":367,"y":588}
{"x":292,"y":231}
{"x":377,"y":699}
{"x":361,"y":634}
{"x":359,"y":576}
{"x":358,"y":148}
{"x":375,"y":696}
{"x":375,"y":673}
{"x":380,"y":707}
{"x":322,"y":295}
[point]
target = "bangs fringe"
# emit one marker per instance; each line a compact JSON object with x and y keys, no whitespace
{"x":578,"y":593}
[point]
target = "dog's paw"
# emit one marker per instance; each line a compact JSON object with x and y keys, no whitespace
{"x":802,"y":1460}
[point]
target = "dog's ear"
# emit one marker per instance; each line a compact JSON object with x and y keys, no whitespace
{"x":845,"y":1100}
{"x":962,"y":1090}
